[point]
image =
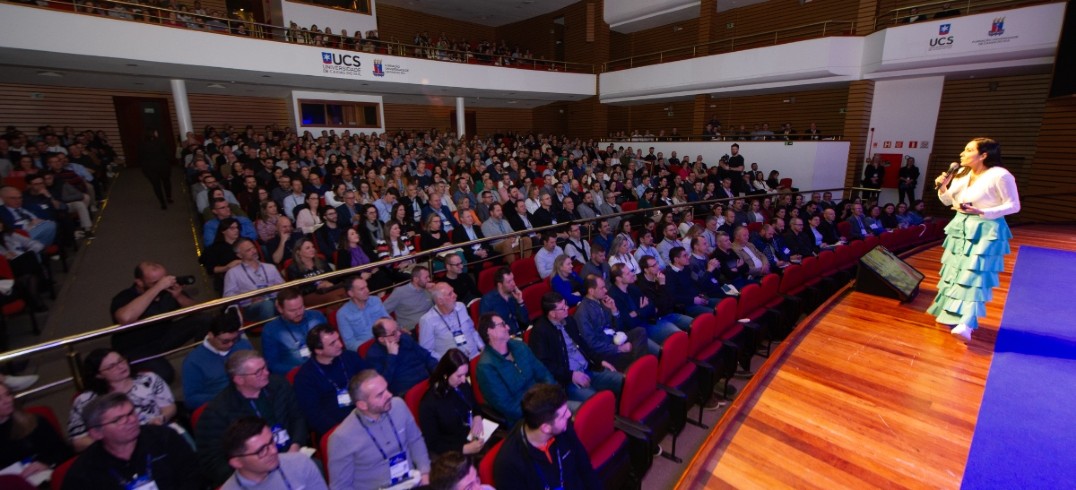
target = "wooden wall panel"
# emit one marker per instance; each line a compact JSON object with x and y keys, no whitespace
{"x":221,"y":110}
{"x":822,"y":106}
{"x":655,"y":118}
{"x":1008,"y":109}
{"x":1048,"y":193}
{"x":487,"y":119}
{"x":28,"y":106}
{"x":551,"y":118}
{"x":857,"y":123}
{"x":535,"y":31}
{"x":536,"y":34}
{"x":780,"y":14}
{"x":683,"y":34}
{"x":402,"y":24}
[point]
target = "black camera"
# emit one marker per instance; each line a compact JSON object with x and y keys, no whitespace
{"x":185,"y":280}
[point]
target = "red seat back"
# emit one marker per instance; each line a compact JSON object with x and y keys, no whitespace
{"x":755,"y":227}
{"x":674,"y":358}
{"x":485,"y":280}
{"x":474,"y":309}
{"x":640,"y":383}
{"x":414,"y":396}
{"x":791,"y":279}
{"x":485,"y":466}
{"x":748,"y":303}
{"x":47,"y":414}
{"x":323,"y":450}
{"x":481,"y":399}
{"x":532,"y":298}
{"x":197,"y":414}
{"x":525,"y":271}
{"x":827,"y":263}
{"x":594,"y":427}
{"x":60,"y":472}
{"x":365,"y":347}
{"x":629,"y":206}
{"x":291,"y":375}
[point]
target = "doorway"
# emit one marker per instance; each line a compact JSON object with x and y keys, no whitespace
{"x":137,"y":117}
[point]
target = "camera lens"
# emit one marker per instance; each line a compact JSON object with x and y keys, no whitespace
{"x":185,"y":280}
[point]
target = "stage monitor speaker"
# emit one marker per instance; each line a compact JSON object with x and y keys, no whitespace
{"x":883,"y":274}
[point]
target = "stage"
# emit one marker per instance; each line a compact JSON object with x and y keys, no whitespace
{"x":866,"y":393}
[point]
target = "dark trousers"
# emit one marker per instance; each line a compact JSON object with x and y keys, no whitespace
{"x":162,"y":185}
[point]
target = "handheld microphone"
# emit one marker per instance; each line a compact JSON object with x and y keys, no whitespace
{"x":953,"y":167}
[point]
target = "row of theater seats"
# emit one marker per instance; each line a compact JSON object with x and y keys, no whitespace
{"x":622,"y":435}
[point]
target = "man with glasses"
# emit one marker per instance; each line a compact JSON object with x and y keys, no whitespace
{"x":506,"y":369}
{"x":204,"y":375}
{"x":464,"y":286}
{"x":556,"y":342}
{"x":350,"y":212}
{"x":248,"y":443}
{"x":800,"y":240}
{"x":253,"y":392}
{"x":605,"y":331}
{"x":328,"y":235}
{"x":222,"y":210}
{"x":398,"y":357}
{"x":18,"y":217}
{"x":126,"y":455}
{"x":251,"y":274}
{"x":209,"y":183}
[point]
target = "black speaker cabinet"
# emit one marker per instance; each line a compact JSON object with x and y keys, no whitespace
{"x":883,"y":274}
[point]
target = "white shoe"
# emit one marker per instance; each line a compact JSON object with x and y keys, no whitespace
{"x":962,"y":332}
{"x":19,"y":383}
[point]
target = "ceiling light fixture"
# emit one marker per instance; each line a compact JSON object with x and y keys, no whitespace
{"x":215,"y":85}
{"x":53,"y":74}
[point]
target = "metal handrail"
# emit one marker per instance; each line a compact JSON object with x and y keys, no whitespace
{"x":69,"y":342}
{"x":774,"y":138}
{"x":904,"y":15}
{"x":729,"y":44}
{"x":160,"y":15}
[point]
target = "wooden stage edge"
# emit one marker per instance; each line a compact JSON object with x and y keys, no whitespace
{"x":865,"y":393}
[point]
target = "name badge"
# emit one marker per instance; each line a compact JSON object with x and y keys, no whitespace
{"x":610,"y":332}
{"x":399,"y":468}
{"x":304,"y":352}
{"x":143,"y":482}
{"x":787,"y":250}
{"x":281,"y":438}
{"x":343,"y":398}
{"x":459,"y":337}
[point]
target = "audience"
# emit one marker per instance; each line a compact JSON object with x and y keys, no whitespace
{"x":249,"y":445}
{"x":448,"y":325}
{"x":356,"y":318}
{"x":204,"y":374}
{"x":397,"y":357}
{"x":284,"y":339}
{"x":506,"y":369}
{"x":321,"y":383}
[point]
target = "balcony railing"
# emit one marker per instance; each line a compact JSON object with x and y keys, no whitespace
{"x":927,"y":11}
{"x":738,"y":43}
{"x":183,"y":19}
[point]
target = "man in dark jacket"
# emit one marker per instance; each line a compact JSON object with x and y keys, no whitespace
{"x":253,"y":392}
{"x":556,"y":341}
{"x":397,"y":356}
{"x":604,"y":331}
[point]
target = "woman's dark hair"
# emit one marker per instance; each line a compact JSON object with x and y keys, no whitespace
{"x":992,"y":150}
{"x":450,"y":362}
{"x":224,"y":225}
{"x":91,"y":367}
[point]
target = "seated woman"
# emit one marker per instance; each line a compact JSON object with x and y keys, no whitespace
{"x":433,"y":236}
{"x":308,"y":218}
{"x":889,"y":217}
{"x":408,"y":227}
{"x":371,"y":229}
{"x":904,"y":218}
{"x":393,"y":246}
{"x":448,"y":414}
{"x":266,"y":224}
{"x":220,"y":257}
{"x":28,"y":438}
{"x":624,"y":229}
{"x":819,"y":238}
{"x":566,"y":282}
{"x":620,"y":253}
{"x":307,"y":262}
{"x":106,"y":371}
{"x":874,"y":220}
{"x":21,"y":253}
{"x":350,"y":253}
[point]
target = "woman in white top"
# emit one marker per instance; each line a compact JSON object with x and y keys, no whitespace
{"x":308,"y":219}
{"x":335,"y":197}
{"x":534,"y":199}
{"x":982,"y":193}
{"x":620,"y":253}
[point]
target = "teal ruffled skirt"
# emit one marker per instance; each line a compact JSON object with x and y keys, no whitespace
{"x":975,"y":250}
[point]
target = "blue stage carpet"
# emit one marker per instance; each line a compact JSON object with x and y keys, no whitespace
{"x":1026,"y":432}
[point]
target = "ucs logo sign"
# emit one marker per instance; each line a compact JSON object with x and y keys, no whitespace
{"x":340,"y":59}
{"x":944,"y":39}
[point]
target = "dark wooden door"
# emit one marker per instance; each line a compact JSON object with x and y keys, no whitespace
{"x":137,"y":118}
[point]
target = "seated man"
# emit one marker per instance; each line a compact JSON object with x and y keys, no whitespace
{"x":448,"y":325}
{"x":398,"y":357}
{"x":284,"y":338}
{"x":454,"y":471}
{"x":686,"y":294}
{"x":497,"y":225}
{"x":525,"y":460}
{"x":356,"y":318}
{"x":204,"y":375}
{"x":251,"y":274}
{"x":462,"y":283}
{"x":651,"y":284}
{"x":556,"y":342}
{"x":248,"y":444}
{"x":576,"y":247}
{"x":154,"y":292}
{"x":381,"y":445}
{"x":799,"y":239}
{"x":279,"y":248}
{"x":543,"y":259}
{"x":253,"y":392}
{"x":506,"y":300}
{"x":636,"y":309}
{"x":125,"y":451}
{"x":321,"y":383}
{"x":773,"y":247}
{"x":860,"y":228}
{"x":16,"y":217}
{"x":599,"y":321}
{"x":597,"y":264}
{"x":412,"y":300}
{"x":221,"y":210}
{"x":506,"y":369}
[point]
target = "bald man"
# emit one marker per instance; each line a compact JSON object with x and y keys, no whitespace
{"x":448,"y":325}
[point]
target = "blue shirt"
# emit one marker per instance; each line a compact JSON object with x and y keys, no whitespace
{"x":204,"y":375}
{"x":317,"y":386}
{"x":282,"y":341}
{"x":511,"y":311}
{"x":246,"y":230}
{"x":356,"y":325}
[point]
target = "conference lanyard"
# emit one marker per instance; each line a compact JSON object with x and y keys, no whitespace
{"x":457,"y":334}
{"x":265,"y":277}
{"x":329,"y":378}
{"x":541,"y":474}
{"x":374,"y":439}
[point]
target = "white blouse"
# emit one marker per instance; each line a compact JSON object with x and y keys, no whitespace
{"x":994,"y":193}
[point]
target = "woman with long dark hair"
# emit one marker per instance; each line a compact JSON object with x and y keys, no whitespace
{"x":977,"y":239}
{"x":448,"y":414}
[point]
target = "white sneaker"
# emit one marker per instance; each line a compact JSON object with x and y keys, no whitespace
{"x":962,"y":332}
{"x":19,"y":383}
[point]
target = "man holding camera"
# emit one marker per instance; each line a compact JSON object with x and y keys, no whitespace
{"x":155,"y":292}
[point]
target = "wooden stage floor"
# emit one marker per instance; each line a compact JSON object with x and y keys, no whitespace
{"x":868,"y":393}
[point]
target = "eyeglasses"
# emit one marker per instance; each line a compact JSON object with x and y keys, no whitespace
{"x":260,"y":371}
{"x":454,"y":264}
{"x":122,"y":418}
{"x":261,"y":452}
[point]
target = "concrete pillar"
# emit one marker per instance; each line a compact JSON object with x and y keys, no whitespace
{"x":183,"y":108}
{"x":461,"y":118}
